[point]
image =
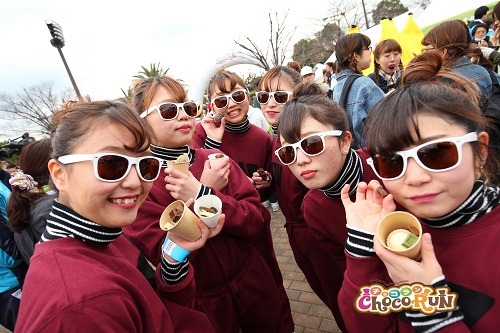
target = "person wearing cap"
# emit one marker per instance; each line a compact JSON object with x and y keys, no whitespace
{"x":307,"y":74}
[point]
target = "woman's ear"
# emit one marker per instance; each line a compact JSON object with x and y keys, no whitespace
{"x":483,"y":139}
{"x":58,"y":174}
{"x":345,"y":143}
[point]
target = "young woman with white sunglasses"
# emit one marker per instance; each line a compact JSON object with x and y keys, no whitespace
{"x":250,"y":147}
{"x":234,"y":285}
{"x":275,"y":90}
{"x":315,"y":139}
{"x":428,"y":144}
{"x":84,"y":275}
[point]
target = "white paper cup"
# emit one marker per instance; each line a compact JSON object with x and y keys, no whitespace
{"x":400,"y":220}
{"x":214,"y":159}
{"x":208,"y":200}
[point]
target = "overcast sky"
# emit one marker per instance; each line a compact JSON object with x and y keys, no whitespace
{"x":108,"y":41}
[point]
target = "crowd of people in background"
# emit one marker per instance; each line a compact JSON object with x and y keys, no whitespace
{"x":81,"y":248}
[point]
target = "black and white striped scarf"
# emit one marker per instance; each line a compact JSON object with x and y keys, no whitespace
{"x":168,"y":154}
{"x":482,"y":200}
{"x":63,"y":222}
{"x":240,"y":128}
{"x":351,"y":173}
{"x":274,"y":129}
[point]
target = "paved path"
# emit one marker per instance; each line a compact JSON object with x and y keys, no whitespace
{"x":309,"y":313}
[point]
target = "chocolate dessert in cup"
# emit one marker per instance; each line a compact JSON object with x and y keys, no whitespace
{"x":218,"y":117}
{"x":179,"y":220}
{"x":181,"y":163}
{"x":401,"y":233}
{"x":216,"y":158}
{"x":208,"y":208}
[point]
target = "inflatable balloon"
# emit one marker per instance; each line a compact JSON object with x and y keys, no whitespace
{"x":197,"y":89}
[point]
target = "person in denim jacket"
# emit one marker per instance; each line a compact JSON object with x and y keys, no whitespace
{"x":452,"y":39}
{"x":353,"y":55}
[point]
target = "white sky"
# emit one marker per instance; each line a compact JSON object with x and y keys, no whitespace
{"x":108,"y":41}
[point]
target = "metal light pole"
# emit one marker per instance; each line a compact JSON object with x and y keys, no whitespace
{"x":57,"y":41}
{"x":366,"y":16}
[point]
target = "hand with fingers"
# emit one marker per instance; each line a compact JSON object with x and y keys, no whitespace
{"x":369,"y":206}
{"x":180,"y":185}
{"x":214,"y":129}
{"x":184,"y":246}
{"x":261,"y":179}
{"x":216,"y":177}
{"x":402,"y":269}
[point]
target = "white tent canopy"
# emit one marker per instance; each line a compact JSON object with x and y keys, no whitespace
{"x":437,"y":11}
{"x":441,"y":10}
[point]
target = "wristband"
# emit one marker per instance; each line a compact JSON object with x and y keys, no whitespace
{"x":174,"y":251}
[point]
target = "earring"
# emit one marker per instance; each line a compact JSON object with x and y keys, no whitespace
{"x":480,"y":173}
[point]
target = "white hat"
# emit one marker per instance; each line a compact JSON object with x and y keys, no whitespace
{"x":306,"y":70}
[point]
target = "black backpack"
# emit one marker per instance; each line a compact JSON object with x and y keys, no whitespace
{"x":491,"y":109}
{"x":342,"y":102}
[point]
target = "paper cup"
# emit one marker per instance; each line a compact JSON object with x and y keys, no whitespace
{"x":214,"y":160}
{"x":182,"y":166}
{"x":208,"y":200}
{"x":186,"y":227}
{"x":400,"y":220}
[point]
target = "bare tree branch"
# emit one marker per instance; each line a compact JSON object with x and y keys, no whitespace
{"x":36,"y":105}
{"x":279,"y":41}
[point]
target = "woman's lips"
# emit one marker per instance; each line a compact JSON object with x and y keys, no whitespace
{"x":233,"y":113}
{"x":184,"y":128}
{"x":424,"y":198}
{"x":308,"y":174}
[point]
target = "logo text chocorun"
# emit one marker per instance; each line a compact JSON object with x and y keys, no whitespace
{"x":376,"y":298}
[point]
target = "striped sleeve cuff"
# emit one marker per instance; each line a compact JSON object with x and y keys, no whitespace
{"x":172,"y":273}
{"x":212,"y":143}
{"x":431,"y":323}
{"x":204,"y":190}
{"x":359,"y":243}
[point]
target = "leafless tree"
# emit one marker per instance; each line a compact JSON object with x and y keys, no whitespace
{"x":419,"y":3}
{"x":278,"y":43}
{"x":34,"y":106}
{"x":345,"y":13}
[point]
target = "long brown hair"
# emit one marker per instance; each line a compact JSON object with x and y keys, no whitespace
{"x":427,"y":88}
{"x":345,"y":49}
{"x":33,"y":161}
{"x":143,"y":91}
{"x":283,"y":73}
{"x":220,"y":80}
{"x":310,"y":101}
{"x":77,"y":122}
{"x":452,"y":36}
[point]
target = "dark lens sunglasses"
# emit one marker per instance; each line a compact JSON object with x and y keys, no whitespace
{"x":111,"y":167}
{"x":237,"y":96}
{"x":280,"y":97}
{"x":170,"y":110}
{"x":311,"y":145}
{"x":436,"y":156}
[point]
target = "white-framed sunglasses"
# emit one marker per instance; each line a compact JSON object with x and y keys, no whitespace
{"x":237,"y":96}
{"x":280,"y":96}
{"x":112,"y":167}
{"x":436,"y":156}
{"x":311,"y":145}
{"x":170,"y":110}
